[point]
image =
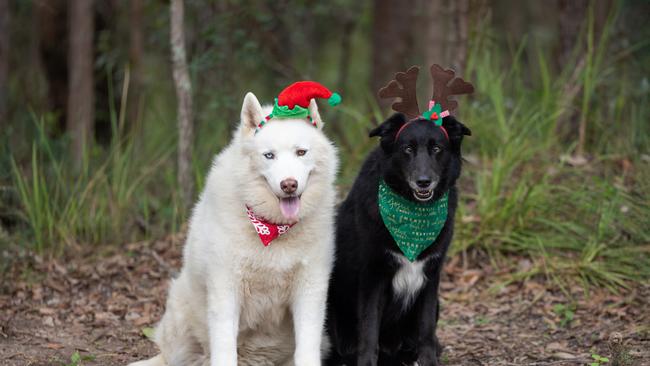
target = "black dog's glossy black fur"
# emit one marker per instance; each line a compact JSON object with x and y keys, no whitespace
{"x":366,"y":322}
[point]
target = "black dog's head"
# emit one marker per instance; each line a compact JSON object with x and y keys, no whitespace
{"x":421,"y":163}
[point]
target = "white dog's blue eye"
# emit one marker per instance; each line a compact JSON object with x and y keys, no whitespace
{"x":436,"y":149}
{"x":269,"y":155}
{"x":301,"y":152}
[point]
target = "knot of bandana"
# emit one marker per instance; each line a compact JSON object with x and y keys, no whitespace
{"x":413,"y":225}
{"x":267,"y":231}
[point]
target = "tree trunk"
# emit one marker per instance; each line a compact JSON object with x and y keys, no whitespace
{"x":51,"y":48}
{"x":435,"y":48}
{"x":447,"y":33}
{"x":135,"y":61}
{"x":183,"y":94}
{"x":81,"y":96}
{"x":460,"y":26}
{"x":391,"y":41}
{"x":349,"y":25}
{"x":4,"y":61}
{"x":571,"y":17}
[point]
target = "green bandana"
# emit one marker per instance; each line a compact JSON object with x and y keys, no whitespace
{"x":414,"y":226}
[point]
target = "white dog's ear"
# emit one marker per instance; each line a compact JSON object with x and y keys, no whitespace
{"x":251,"y":113}
{"x":315,"y":116}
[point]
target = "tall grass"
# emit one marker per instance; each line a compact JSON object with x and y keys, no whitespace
{"x":574,"y":218}
{"x":111,"y":199}
{"x":521,"y":192}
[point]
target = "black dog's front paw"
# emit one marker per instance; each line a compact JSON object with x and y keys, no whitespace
{"x":367,"y":359}
{"x":428,"y":357}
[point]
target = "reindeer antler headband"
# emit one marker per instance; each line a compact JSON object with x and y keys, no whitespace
{"x":444,"y":86}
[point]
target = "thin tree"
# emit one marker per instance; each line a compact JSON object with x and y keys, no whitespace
{"x":448,"y":32}
{"x":4,"y":60}
{"x":184,"y":96}
{"x":135,"y":61}
{"x":81,"y":100}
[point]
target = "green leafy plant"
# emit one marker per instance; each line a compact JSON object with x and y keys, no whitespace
{"x":565,"y":312}
{"x":481,"y":320}
{"x":598,"y":360}
{"x":77,"y":359}
{"x":149,"y":333}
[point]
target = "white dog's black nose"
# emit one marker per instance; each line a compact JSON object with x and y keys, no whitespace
{"x":289,"y":185}
{"x":423,"y":182}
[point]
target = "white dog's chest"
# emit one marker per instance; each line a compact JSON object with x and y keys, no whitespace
{"x":265,"y":295}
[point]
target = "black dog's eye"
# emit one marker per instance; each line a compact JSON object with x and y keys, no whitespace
{"x":436,"y":149}
{"x":408,"y":150}
{"x":269,"y":155}
{"x":301,"y":152}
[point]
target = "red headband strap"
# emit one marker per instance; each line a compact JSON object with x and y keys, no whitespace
{"x":401,"y":129}
{"x":409,"y":122}
{"x":444,"y":130}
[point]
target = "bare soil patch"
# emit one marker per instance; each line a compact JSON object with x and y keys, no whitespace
{"x":99,"y":303}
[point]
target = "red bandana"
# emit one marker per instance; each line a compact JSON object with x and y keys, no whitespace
{"x":266,"y":230}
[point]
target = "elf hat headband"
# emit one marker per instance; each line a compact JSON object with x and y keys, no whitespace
{"x":403,"y":87}
{"x":293,"y":101}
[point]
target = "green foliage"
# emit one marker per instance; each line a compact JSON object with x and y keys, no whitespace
{"x":149,"y":333}
{"x":599,"y":360}
{"x":109,"y":200}
{"x":565,"y":312}
{"x":77,"y":359}
{"x":481,"y":320}
{"x":521,"y":192}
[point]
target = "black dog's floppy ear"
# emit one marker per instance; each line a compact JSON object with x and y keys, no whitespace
{"x":389,"y":127}
{"x":455,"y":128}
{"x":456,"y":131}
{"x":466,"y":130}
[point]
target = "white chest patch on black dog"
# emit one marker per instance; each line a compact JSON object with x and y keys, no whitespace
{"x":408,"y":279}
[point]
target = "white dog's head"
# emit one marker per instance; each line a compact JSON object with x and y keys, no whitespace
{"x":288,"y":155}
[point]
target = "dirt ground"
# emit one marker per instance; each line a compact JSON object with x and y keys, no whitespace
{"x":98,"y":305}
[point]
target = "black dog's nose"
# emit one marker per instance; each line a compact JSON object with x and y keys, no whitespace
{"x":423,"y":182}
{"x":289,"y":185}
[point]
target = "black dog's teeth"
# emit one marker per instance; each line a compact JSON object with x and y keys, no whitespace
{"x":423,"y":195}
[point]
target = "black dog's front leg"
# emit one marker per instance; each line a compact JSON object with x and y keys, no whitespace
{"x":427,"y":321}
{"x":369,"y":310}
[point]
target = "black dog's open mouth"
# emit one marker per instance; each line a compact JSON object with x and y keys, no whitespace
{"x":423,"y":194}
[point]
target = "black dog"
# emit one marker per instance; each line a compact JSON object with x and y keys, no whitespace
{"x":383,"y":309}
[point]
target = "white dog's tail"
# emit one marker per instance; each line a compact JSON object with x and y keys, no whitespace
{"x":155,"y":361}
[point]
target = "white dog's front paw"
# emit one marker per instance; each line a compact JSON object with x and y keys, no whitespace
{"x":307,"y":360}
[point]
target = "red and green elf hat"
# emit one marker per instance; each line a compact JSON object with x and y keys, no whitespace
{"x":293,"y":101}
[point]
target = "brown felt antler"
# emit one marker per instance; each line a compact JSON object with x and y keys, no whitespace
{"x":403,"y":87}
{"x":442,"y":89}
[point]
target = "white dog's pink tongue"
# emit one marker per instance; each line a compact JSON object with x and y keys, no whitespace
{"x":290,"y":207}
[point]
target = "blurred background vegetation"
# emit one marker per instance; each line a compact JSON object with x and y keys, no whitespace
{"x":557,"y":173}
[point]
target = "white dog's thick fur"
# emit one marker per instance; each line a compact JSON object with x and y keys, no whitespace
{"x":235,"y":301}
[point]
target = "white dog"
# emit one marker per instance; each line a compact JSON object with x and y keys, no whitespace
{"x":237,"y":301}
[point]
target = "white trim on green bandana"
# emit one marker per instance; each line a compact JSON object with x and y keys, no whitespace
{"x":413,"y":225}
